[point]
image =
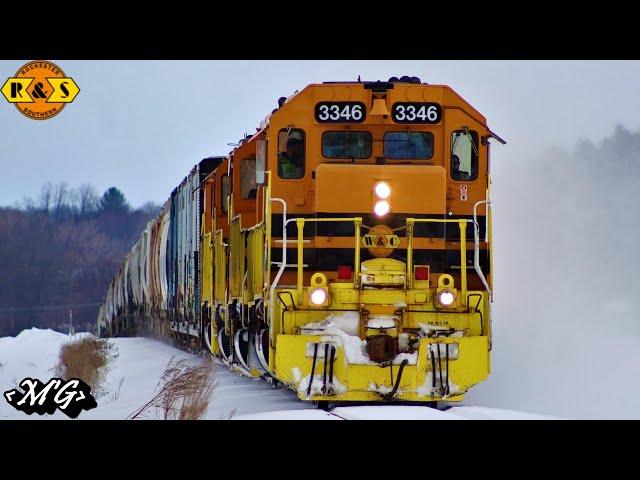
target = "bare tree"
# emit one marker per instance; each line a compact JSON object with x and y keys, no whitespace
{"x":88,"y":199}
{"x":61,"y":198}
{"x":27,"y":204}
{"x":45,"y":198}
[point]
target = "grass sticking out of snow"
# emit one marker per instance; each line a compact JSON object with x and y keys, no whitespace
{"x":88,"y":359}
{"x":183,"y":392}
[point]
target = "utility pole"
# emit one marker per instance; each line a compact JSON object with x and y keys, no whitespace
{"x":70,"y":322}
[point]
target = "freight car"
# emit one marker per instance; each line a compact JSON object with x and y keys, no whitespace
{"x":343,"y":250}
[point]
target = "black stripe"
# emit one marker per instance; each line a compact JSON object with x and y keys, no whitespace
{"x":396,"y":220}
{"x":328,"y":259}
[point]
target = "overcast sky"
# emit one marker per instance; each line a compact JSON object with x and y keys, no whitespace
{"x":566,"y":308}
{"x":140,"y":126}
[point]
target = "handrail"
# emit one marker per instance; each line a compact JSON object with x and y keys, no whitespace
{"x":357,"y":222}
{"x":476,"y":250}
{"x":284,"y":253}
{"x":462,"y":224}
{"x":300,"y":222}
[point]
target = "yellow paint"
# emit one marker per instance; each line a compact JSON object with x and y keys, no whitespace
{"x":58,"y":94}
{"x":294,"y":364}
{"x":220,"y":259}
{"x":22,"y":96}
{"x":236,"y":258}
{"x":255,"y":263}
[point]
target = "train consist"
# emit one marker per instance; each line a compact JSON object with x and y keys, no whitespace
{"x":343,"y":250}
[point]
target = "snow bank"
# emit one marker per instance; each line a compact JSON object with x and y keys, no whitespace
{"x":132,"y":378}
{"x":485,"y":413}
{"x":393,"y":412}
{"x":289,"y":415}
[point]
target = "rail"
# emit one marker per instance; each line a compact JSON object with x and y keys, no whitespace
{"x":357,"y":221}
{"x":462,"y":224}
{"x":476,"y":239}
{"x":300,"y":222}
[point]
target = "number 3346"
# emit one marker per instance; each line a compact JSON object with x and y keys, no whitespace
{"x":416,"y":112}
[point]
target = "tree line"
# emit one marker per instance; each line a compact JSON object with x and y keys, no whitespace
{"x":60,"y":251}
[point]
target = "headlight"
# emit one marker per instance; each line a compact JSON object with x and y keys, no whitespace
{"x":381,"y":208}
{"x":318,"y":296}
{"x":446,"y":298}
{"x":382,"y":190}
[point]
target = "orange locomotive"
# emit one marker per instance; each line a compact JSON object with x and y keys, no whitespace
{"x":345,"y":247}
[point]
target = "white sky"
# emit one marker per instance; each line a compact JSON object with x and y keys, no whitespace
{"x":140,"y":126}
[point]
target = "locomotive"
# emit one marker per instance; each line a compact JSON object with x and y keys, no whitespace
{"x":344,"y":250}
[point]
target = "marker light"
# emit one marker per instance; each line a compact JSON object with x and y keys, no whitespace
{"x":382,"y":190}
{"x":446,"y":298}
{"x":344,"y":272}
{"x":422,"y":272}
{"x":381,"y":208}
{"x":318,"y":296}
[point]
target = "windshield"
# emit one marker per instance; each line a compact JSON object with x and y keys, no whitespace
{"x":346,"y":144}
{"x":408,"y":145}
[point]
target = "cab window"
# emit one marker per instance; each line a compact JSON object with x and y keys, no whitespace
{"x":346,"y":144}
{"x":248,"y":178}
{"x":291,"y":153}
{"x":464,"y":155}
{"x":408,"y":145}
{"x":224,"y":206}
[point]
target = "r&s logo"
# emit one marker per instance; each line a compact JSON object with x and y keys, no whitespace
{"x":40,"y":90}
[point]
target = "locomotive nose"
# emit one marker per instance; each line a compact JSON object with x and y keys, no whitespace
{"x":382,"y":191}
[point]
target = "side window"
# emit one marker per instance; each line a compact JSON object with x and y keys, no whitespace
{"x":248,"y":178}
{"x":225,"y":193}
{"x":464,"y":155}
{"x":291,"y":153}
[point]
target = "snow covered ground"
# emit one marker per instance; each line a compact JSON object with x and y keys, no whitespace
{"x":132,"y":378}
{"x":135,"y":373}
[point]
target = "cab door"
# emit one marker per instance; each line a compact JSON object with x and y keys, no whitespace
{"x":467,"y":184}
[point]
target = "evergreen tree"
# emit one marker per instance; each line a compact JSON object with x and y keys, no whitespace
{"x":113,"y":200}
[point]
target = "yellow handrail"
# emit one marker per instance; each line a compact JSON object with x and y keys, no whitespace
{"x":300,"y":226}
{"x":357,"y":221}
{"x":462,"y":224}
{"x":356,"y":268}
{"x":267,"y":222}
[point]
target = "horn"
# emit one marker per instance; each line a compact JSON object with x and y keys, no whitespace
{"x":379,"y":107}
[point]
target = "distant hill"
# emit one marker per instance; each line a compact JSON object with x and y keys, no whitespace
{"x":60,"y":250}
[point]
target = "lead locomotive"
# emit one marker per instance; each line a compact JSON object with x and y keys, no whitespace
{"x":344,"y":249}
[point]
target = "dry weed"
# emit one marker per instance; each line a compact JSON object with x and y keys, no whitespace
{"x":88,"y":359}
{"x":183,"y":392}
